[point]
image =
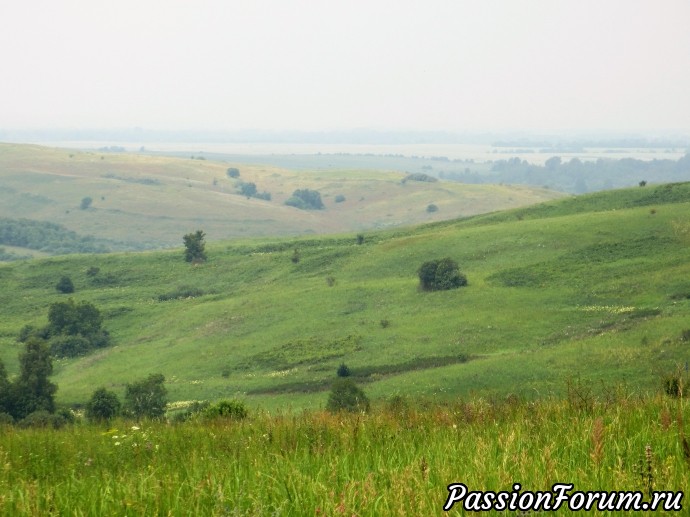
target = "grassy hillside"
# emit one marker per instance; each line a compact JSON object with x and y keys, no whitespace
{"x":591,"y":291}
{"x":151,"y":201}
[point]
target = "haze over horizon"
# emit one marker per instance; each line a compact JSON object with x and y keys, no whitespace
{"x":442,"y":65}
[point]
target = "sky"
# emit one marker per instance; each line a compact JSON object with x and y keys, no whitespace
{"x":321,"y":65}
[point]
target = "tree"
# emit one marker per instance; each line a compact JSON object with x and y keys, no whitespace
{"x":439,"y":275}
{"x":85,"y":203}
{"x":147,"y":398}
{"x":248,"y":189}
{"x":233,"y":172}
{"x":346,"y":396}
{"x":32,"y":391}
{"x":102,"y":406}
{"x":306,"y":199}
{"x":65,"y":285}
{"x":195,"y":247}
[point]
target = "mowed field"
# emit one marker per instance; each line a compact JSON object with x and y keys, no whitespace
{"x":151,"y":201}
{"x":590,"y":290}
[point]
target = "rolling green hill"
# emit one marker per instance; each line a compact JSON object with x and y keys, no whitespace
{"x":149,"y":202}
{"x":593,"y":289}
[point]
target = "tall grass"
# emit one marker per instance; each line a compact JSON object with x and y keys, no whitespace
{"x":397,"y":460}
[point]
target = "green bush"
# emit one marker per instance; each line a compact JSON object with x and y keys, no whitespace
{"x":439,"y":275}
{"x":306,"y":199}
{"x":146,"y":398}
{"x":343,"y":370}
{"x":69,"y":346}
{"x":102,"y":406}
{"x":65,"y":285}
{"x":231,"y":409}
{"x":43,"y":419}
{"x":346,"y":396}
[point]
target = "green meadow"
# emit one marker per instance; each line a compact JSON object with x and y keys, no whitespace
{"x":593,"y":289}
{"x":547,"y":368}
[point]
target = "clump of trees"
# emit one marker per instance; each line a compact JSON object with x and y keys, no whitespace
{"x":440,"y":275}
{"x":249,"y":190}
{"x":31,"y":391}
{"x":306,"y":199}
{"x":73,"y":329}
{"x":195,"y":247}
{"x":103,"y":406}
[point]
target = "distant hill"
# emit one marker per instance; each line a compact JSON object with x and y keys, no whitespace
{"x":578,"y":294}
{"x":135,"y":201}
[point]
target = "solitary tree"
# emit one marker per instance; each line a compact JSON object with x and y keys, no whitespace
{"x":102,"y":406}
{"x":85,"y":203}
{"x":195,"y":247}
{"x":346,"y":396}
{"x":32,"y":391}
{"x":147,"y":397}
{"x":65,"y":285}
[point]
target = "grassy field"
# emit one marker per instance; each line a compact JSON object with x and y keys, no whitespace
{"x":594,"y":289}
{"x":151,"y":201}
{"x":397,"y":460}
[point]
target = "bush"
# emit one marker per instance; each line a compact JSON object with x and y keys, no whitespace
{"x":85,"y":203}
{"x":69,"y":346}
{"x":431,"y":208}
{"x":233,"y":172}
{"x":65,"y":285}
{"x":231,"y":409}
{"x":181,"y":293}
{"x":102,"y":406}
{"x":43,"y":419}
{"x":339,"y":198}
{"x":343,"y":370}
{"x":195,"y":247}
{"x":439,"y":275}
{"x":346,"y":396}
{"x":675,"y":385}
{"x":306,"y":199}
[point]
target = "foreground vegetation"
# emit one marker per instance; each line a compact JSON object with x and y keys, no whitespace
{"x":396,"y":460}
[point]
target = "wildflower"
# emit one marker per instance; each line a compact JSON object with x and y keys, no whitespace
{"x":135,"y":428}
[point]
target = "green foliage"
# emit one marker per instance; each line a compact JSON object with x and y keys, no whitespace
{"x":343,"y":370}
{"x":230,"y":409}
{"x":73,"y":329}
{"x":65,"y":285}
{"x":440,"y":275}
{"x":103,"y":405}
{"x":233,"y":172}
{"x":146,"y":398}
{"x":346,"y":396}
{"x":360,"y":239}
{"x":195,"y":247}
{"x":249,"y":190}
{"x":49,"y":237}
{"x":339,"y":198}
{"x":306,"y":199}
{"x":32,"y":391}
{"x":419,"y":176}
{"x":431,"y":208}
{"x":42,"y":419}
{"x":85,"y":203}
{"x":675,"y":385}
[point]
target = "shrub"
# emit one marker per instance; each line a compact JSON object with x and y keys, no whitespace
{"x":306,"y":199}
{"x":231,"y":409}
{"x":343,"y":370}
{"x":43,"y":419}
{"x":69,"y":346}
{"x":65,"y":285}
{"x":194,"y":245}
{"x":181,"y":293}
{"x":346,"y":396}
{"x":339,"y":198}
{"x":431,"y":208}
{"x":233,"y":172}
{"x":360,"y":239}
{"x":85,"y":203}
{"x":439,"y":275}
{"x":103,"y":405}
{"x":675,"y":385}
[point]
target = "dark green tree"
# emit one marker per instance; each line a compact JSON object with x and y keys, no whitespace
{"x":85,"y":203}
{"x":233,"y":172}
{"x":147,"y":398}
{"x":102,"y":406}
{"x":439,"y":275}
{"x":195,"y":247}
{"x":65,"y":285}
{"x":346,"y":396}
{"x":32,"y":391}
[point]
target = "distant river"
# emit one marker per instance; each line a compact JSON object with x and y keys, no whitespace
{"x":476,"y":152}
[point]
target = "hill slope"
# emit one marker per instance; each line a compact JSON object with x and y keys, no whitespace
{"x":595,"y":288}
{"x":151,"y":201}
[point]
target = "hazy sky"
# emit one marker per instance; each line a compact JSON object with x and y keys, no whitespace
{"x":319,"y":64}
